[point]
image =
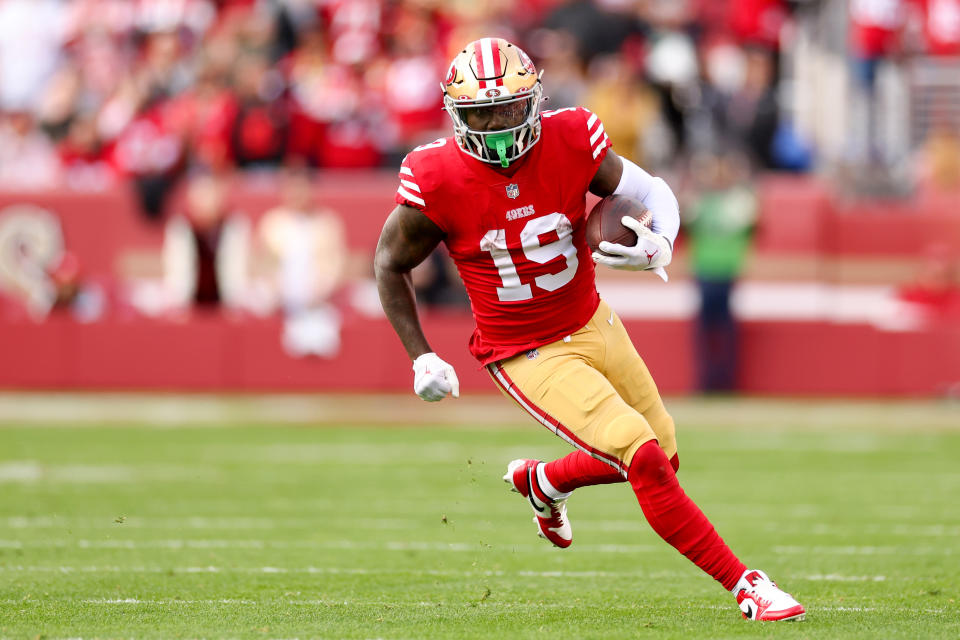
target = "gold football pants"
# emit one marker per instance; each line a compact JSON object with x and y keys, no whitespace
{"x":592,"y":389}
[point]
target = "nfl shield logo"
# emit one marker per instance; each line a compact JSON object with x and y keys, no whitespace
{"x":513,"y":191}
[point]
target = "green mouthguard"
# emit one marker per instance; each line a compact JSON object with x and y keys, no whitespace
{"x":500,"y":142}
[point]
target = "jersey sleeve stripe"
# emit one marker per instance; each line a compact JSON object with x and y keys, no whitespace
{"x":406,"y":171}
{"x":410,"y":185}
{"x":412,"y":198}
{"x":596,"y":134}
{"x":600,"y":146}
{"x":591,"y":120}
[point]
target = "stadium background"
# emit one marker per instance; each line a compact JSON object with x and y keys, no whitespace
{"x":841,"y":121}
{"x":190,"y":196}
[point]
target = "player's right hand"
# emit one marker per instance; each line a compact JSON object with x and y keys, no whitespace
{"x":433,"y":378}
{"x":651,"y":252}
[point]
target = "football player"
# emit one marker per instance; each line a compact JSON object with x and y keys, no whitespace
{"x":506,"y":194}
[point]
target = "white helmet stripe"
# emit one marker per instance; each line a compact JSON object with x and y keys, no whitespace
{"x":487,"y":69}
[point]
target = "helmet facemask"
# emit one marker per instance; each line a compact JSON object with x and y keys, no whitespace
{"x":501,"y":146}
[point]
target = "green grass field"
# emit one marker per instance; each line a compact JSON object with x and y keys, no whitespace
{"x":138,"y":526}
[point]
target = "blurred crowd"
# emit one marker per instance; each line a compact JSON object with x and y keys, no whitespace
{"x":92,"y":91}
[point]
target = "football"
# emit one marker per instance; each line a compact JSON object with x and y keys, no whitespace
{"x":603,"y":222}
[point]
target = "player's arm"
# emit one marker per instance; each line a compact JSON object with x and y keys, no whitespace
{"x":408,"y":237}
{"x":620,"y":176}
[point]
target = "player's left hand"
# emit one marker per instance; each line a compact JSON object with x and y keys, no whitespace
{"x":652,"y":251}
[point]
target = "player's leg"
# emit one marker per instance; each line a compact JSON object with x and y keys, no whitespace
{"x":632,"y":380}
{"x":624,"y":368}
{"x":561,"y":388}
{"x":628,"y":374}
{"x":558,"y":387}
{"x":671,"y":513}
{"x":579,"y":469}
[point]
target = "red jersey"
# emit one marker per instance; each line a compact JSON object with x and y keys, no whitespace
{"x":517,"y":239}
{"x":941,"y":26}
{"x":874,"y":25}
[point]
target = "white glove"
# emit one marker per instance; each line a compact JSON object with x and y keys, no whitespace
{"x":652,"y":251}
{"x":433,"y":378}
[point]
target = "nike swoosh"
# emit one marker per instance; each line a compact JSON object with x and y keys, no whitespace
{"x":530,"y":497}
{"x":750,"y":612}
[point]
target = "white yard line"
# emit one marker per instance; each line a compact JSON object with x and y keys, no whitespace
{"x":421,"y":604}
{"x":235,"y":523}
{"x":201,"y":522}
{"x":397,"y":545}
{"x":482,"y":407}
{"x":311,"y":570}
{"x":31,"y":471}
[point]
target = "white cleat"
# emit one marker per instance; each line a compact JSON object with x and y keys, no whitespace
{"x":550,"y":515}
{"x":759,"y":598}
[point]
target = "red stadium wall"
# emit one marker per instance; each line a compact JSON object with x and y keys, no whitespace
{"x":220,"y":352}
{"x":211,"y":352}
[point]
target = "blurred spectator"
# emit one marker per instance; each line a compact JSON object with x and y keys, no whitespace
{"x":672,"y":67}
{"x":83,"y":157}
{"x":939,"y":165}
{"x":627,"y":107}
{"x":259,"y":133}
{"x":307,"y":253}
{"x":205,"y":251}
{"x":594,"y":29}
{"x":720,"y":225}
{"x":204,"y":117}
{"x":27,"y":158}
{"x":146,"y":148}
{"x":738,"y":102}
{"x":409,"y":78}
{"x":354,"y":28}
{"x":875,"y":30}
{"x":557,"y":51}
{"x":940,"y":26}
{"x":31,"y":36}
{"x":757,"y":23}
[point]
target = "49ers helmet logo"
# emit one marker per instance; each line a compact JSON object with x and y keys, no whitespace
{"x":526,"y":61}
{"x":492,"y":93}
{"x":451,"y":73}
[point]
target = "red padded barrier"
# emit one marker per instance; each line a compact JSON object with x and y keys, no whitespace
{"x":798,"y":215}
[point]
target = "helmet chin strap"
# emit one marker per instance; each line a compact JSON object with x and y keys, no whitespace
{"x":499,"y":142}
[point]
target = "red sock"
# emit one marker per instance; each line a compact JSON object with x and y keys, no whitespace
{"x":676,"y":518}
{"x":578,"y":469}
